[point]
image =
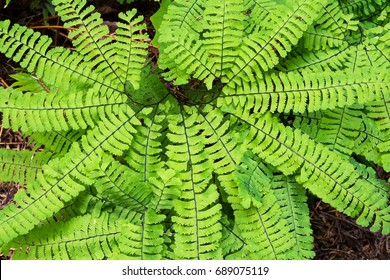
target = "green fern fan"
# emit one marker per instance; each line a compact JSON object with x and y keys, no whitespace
{"x":211,"y":155}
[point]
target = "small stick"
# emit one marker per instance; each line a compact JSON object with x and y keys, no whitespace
{"x":5,"y":85}
{"x":51,"y":27}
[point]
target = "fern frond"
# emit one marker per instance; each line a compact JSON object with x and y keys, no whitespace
{"x":339,"y":128}
{"x":31,"y":50}
{"x":292,"y":200}
{"x":120,"y":185}
{"x":332,"y":59}
{"x":122,"y":61}
{"x":83,"y":237}
{"x":21,"y":166}
{"x":319,"y":170}
{"x":221,"y":148}
{"x":28,"y":83}
{"x":40,"y":112}
{"x":151,"y":91}
{"x":257,"y":12}
{"x":89,"y":35}
{"x":257,"y":213}
{"x":369,"y":176}
{"x":144,"y":155}
{"x":197,"y":231}
{"x":193,"y":54}
{"x":300,"y":91}
{"x":253,"y":180}
{"x":224,"y":30}
{"x":18,"y":41}
{"x":130,"y":48}
{"x":89,"y":202}
{"x":57,"y":142}
{"x":65,"y":178}
{"x":308,"y":123}
{"x":385,"y":150}
{"x":379,"y":112}
{"x":94,"y":69}
{"x":186,"y":15}
{"x":166,"y":190}
{"x":368,"y":140}
{"x":183,"y":22}
{"x":371,"y":50}
{"x":261,"y":51}
{"x":62,"y":181}
{"x":144,"y":240}
{"x":262,"y":101}
{"x":197,"y":211}
{"x":362,"y":8}
{"x":329,"y":30}
{"x":185,"y":56}
{"x":232,"y":244}
{"x":113,"y":134}
{"x":362,"y":137}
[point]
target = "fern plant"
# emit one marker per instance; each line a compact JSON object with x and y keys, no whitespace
{"x":210,"y":153}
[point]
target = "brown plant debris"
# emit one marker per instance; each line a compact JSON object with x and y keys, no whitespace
{"x":338,"y":237}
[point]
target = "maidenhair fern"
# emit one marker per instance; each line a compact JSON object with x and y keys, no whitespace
{"x":209,"y":153}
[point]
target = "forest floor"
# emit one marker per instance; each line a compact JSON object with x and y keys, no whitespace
{"x":336,"y":236}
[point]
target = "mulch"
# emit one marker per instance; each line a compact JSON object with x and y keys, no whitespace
{"x":336,"y":236}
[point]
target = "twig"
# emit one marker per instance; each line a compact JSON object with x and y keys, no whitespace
{"x":51,"y":27}
{"x":5,"y":85}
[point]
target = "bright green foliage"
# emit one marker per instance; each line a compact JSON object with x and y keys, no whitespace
{"x":90,"y":238}
{"x":144,"y":241}
{"x":363,"y":8}
{"x":259,"y":215}
{"x":21,"y":166}
{"x":210,"y":153}
{"x":130,"y":1}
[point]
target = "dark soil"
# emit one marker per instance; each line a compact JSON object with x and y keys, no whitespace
{"x":337,"y":237}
